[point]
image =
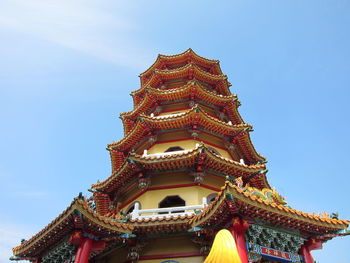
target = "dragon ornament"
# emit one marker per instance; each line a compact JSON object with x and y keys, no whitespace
{"x":270,"y":195}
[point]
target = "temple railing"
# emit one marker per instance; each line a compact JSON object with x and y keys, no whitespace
{"x":138,"y":213}
{"x":145,"y":153}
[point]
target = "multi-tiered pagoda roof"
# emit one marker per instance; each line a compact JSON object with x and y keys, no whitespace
{"x":183,"y":99}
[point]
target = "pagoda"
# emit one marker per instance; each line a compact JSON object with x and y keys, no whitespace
{"x":185,"y":171}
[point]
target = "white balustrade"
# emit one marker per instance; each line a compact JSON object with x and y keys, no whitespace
{"x":166,"y":212}
{"x":145,"y":152}
{"x":164,"y":154}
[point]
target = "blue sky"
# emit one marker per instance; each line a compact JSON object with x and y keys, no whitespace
{"x":67,"y":68}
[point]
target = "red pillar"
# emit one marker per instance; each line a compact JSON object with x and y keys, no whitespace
{"x":237,"y":229}
{"x":77,"y":239}
{"x":309,"y":245}
{"x":77,"y":255}
{"x":305,"y":252}
{"x":86,"y":249}
{"x":85,"y":245}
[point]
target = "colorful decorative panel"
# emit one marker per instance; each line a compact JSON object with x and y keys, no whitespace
{"x":282,"y":256}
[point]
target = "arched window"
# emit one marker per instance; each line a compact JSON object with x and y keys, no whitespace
{"x":213,"y":150}
{"x":172,"y":201}
{"x":132,"y":207}
{"x":211,"y":197}
{"x":174,"y":149}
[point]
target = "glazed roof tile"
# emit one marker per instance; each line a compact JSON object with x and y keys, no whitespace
{"x":163,"y":219}
{"x":180,"y":120}
{"x":188,"y":158}
{"x":243,"y":201}
{"x":191,"y":88}
{"x":184,"y":72}
{"x":209,"y":122}
{"x":117,"y":178}
{"x":188,"y":54}
{"x":63,"y":224}
{"x":292,"y":216}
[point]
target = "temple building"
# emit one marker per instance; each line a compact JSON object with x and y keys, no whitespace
{"x":185,"y":173}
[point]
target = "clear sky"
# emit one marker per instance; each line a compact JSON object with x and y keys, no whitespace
{"x":67,"y":68}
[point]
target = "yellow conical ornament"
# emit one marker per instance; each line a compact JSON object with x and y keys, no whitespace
{"x":224,"y":249}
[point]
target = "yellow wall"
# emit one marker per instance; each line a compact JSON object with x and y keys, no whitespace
{"x":192,"y":195}
{"x":162,"y":147}
{"x":171,"y":178}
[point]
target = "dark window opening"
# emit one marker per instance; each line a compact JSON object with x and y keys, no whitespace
{"x":174,"y":149}
{"x":211,"y":198}
{"x":213,"y":150}
{"x":172,"y":201}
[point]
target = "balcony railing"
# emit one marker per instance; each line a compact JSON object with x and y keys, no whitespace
{"x":145,"y":152}
{"x":138,"y":213}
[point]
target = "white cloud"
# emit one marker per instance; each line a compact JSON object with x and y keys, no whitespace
{"x":77,"y":25}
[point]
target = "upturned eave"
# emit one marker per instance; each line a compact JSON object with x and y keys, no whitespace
{"x":187,"y":56}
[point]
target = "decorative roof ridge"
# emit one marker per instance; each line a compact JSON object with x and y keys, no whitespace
{"x":142,"y":118}
{"x":127,"y":136}
{"x":189,"y":85}
{"x":260,"y":166}
{"x":193,"y":82}
{"x":240,"y":125}
{"x":200,"y":148}
{"x":235,"y":113}
{"x":169,"y":116}
{"x":279,"y":209}
{"x":188,"y":51}
{"x":76,"y":205}
{"x":65,"y":213}
{"x":181,"y":69}
{"x":105,"y":182}
{"x":287,"y":208}
{"x":153,"y":92}
{"x":212,"y":207}
{"x":195,"y":108}
{"x":108,"y":222}
{"x":189,"y":65}
{"x":260,"y":157}
{"x":164,"y":219}
{"x":188,"y":152}
{"x":144,"y":101}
